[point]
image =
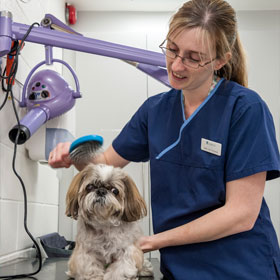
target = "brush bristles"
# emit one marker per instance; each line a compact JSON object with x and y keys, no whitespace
{"x":85,"y":152}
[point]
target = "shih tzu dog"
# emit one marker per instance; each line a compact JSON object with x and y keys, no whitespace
{"x":107,"y":205}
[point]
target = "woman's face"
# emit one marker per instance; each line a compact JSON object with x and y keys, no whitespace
{"x":188,"y":43}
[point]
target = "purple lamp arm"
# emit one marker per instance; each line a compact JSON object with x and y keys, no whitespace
{"x":75,"y":42}
{"x":15,"y":31}
{"x":158,"y":73}
{"x":5,"y":32}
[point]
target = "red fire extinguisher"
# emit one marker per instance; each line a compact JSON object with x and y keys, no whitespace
{"x":70,"y":14}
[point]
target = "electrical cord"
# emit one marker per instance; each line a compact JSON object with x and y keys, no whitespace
{"x":12,"y":52}
{"x":5,"y":90}
{"x":10,"y":78}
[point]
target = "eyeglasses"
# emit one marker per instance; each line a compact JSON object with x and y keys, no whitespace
{"x":187,"y":61}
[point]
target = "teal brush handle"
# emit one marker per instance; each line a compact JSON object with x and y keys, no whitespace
{"x":84,"y":139}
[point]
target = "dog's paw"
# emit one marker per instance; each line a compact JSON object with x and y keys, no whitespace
{"x":69,"y":274}
{"x":120,"y":276}
{"x":147,"y":269}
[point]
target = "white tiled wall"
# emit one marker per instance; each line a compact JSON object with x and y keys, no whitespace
{"x":41,"y":181}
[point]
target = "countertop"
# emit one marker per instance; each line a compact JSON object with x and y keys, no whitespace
{"x":53,"y":269}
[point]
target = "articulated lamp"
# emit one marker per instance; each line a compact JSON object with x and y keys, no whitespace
{"x":46,"y":94}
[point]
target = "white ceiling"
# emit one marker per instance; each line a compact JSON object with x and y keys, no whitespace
{"x":163,"y":5}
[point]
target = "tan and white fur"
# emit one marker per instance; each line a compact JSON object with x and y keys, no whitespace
{"x":107,"y":205}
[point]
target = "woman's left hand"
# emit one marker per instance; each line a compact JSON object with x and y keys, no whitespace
{"x":145,"y":243}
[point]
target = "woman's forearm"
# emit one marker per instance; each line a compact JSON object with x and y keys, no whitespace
{"x":214,"y":225}
{"x":110,"y":157}
{"x":243,"y":202}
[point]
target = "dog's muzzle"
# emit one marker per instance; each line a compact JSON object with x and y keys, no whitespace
{"x":101,"y":192}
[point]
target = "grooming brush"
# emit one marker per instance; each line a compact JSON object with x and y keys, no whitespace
{"x":85,"y":148}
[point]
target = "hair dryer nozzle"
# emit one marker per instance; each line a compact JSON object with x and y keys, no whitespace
{"x":24,"y":134}
{"x":28,"y":125}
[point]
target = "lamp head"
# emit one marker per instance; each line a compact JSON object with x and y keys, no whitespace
{"x":48,"y":90}
{"x":48,"y":96}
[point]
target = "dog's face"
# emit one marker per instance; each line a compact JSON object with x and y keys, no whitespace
{"x":104,"y":194}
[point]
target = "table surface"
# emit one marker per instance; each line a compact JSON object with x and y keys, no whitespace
{"x":53,"y":269}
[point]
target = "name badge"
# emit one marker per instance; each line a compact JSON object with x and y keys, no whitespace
{"x":211,"y":147}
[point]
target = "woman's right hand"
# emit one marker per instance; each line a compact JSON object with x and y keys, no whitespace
{"x":59,"y":156}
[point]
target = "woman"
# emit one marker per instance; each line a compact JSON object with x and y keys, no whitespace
{"x":211,"y":145}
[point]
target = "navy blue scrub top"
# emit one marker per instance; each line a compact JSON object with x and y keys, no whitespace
{"x":188,"y":178}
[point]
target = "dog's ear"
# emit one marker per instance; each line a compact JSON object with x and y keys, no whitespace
{"x":72,"y":205}
{"x":135,"y":206}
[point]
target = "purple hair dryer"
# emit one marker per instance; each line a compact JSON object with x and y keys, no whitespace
{"x":48,"y":96}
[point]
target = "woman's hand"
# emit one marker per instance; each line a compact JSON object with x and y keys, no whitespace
{"x":59,"y":156}
{"x":145,"y":243}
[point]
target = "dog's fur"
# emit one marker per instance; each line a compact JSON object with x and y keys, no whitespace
{"x":107,"y":204}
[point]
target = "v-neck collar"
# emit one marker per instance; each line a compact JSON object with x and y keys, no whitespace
{"x":187,"y":121}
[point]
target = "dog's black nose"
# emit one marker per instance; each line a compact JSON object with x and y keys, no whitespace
{"x":101,"y":192}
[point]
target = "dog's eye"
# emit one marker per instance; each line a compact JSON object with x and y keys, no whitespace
{"x":115,"y":191}
{"x":89,"y":187}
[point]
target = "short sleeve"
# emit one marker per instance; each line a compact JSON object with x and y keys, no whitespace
{"x":132,"y":142}
{"x":252,"y":145}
